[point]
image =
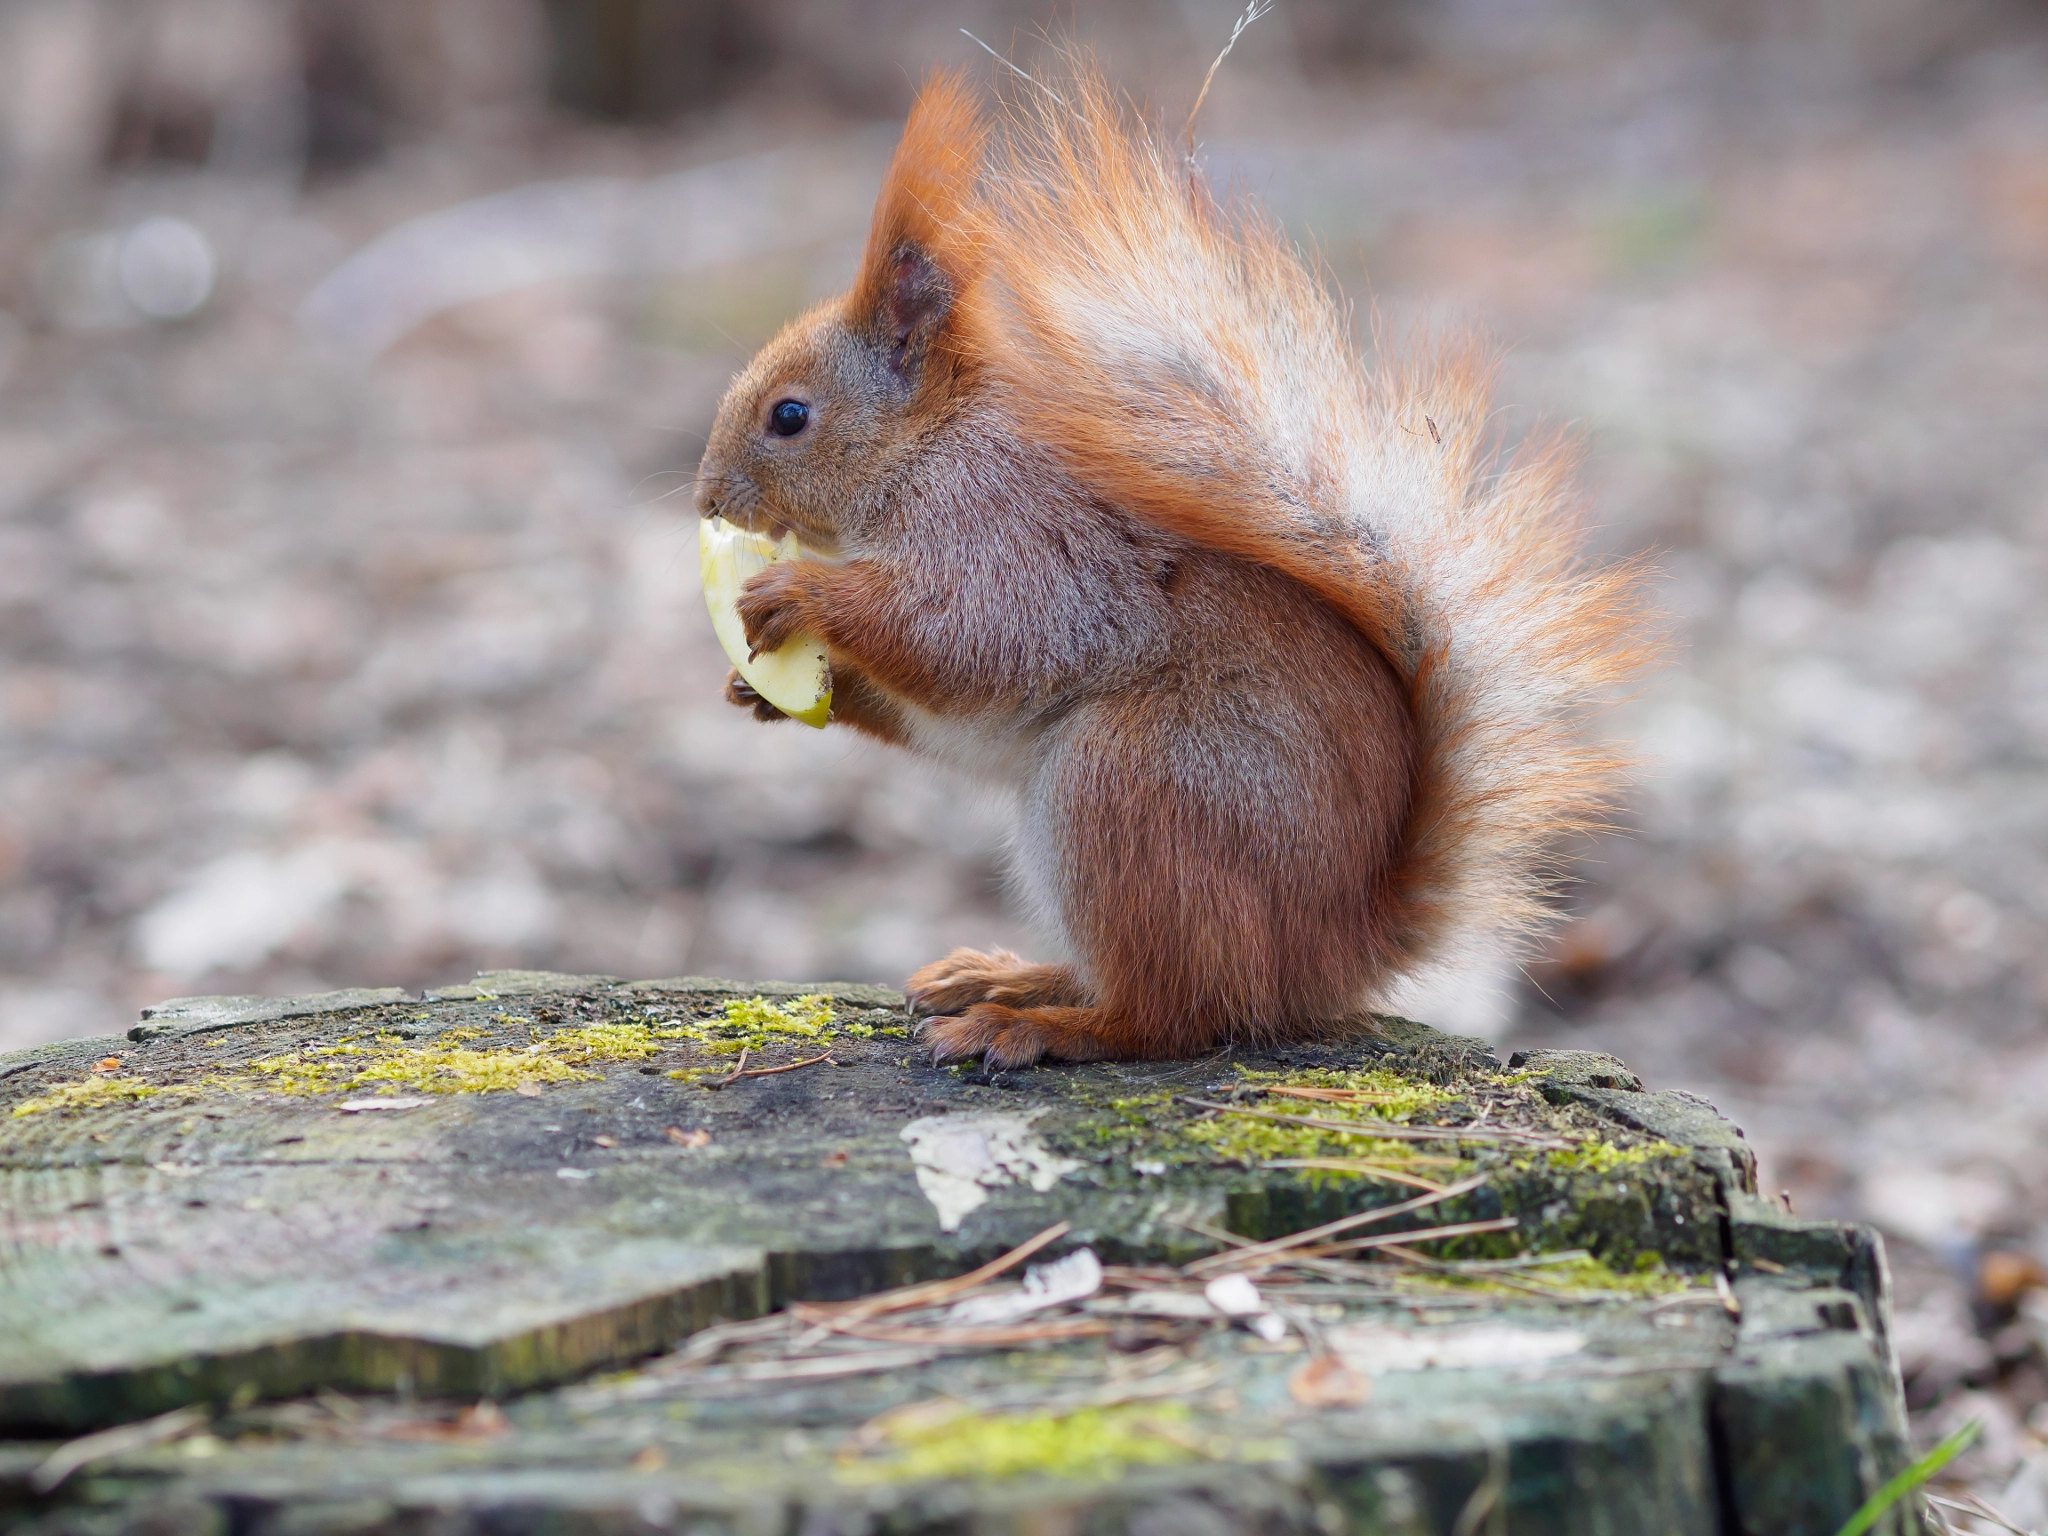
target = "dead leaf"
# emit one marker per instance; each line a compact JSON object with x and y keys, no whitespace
{"x":2002,"y":1276}
{"x":1236,"y":1297}
{"x":682,"y":1138}
{"x":479,"y":1421}
{"x":1327,"y":1382}
{"x":121,"y":1440}
{"x":1074,"y":1278}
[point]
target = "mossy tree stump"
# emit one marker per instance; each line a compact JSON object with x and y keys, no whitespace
{"x":292,"y":1245}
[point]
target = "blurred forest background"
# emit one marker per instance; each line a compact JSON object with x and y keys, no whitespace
{"x":355,"y":356}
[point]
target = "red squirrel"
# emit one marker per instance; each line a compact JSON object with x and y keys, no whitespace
{"x":1283,"y":667}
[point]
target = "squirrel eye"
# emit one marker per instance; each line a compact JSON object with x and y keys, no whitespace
{"x":788,"y":418}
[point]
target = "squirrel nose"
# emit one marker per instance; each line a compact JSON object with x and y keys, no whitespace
{"x":728,"y":495}
{"x":707,"y":489}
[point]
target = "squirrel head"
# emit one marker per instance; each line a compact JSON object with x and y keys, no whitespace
{"x":821,"y":426}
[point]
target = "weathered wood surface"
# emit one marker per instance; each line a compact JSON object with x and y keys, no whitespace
{"x":330,"y":1286}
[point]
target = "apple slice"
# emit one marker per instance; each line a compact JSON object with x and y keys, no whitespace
{"x":796,"y":678}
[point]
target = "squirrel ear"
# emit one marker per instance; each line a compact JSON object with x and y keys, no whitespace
{"x":915,"y":301}
{"x":911,"y":272}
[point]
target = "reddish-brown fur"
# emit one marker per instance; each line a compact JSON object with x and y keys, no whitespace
{"x":1284,"y":707}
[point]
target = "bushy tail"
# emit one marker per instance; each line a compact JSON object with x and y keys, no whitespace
{"x":1189,"y":366}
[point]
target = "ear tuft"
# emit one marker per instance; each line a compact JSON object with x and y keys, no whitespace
{"x":916,"y":259}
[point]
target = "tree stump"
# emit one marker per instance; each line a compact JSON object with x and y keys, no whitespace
{"x":562,"y":1252}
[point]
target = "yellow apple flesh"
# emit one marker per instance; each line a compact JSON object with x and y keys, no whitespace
{"x":796,"y":678}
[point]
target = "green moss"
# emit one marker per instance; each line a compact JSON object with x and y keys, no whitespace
{"x":1606,"y":1157}
{"x":606,"y":1042}
{"x":458,"y":1069}
{"x":693,"y":1074}
{"x":1249,"y":1137}
{"x":809,"y":1016}
{"x":1092,"y":1444}
{"x":1403,"y":1096}
{"x":233,"y":1081}
{"x":315,"y":1069}
{"x":88,"y":1093}
{"x":1141,"y":1111}
{"x":1243,"y":1138}
{"x":435,"y":1068}
{"x":752,"y":1023}
{"x":1580,"y":1276}
{"x":450,"y":1065}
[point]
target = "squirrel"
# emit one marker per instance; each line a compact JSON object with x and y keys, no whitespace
{"x":1283,"y":664}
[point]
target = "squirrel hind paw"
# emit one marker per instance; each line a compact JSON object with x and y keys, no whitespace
{"x":1005,"y":1038}
{"x":968,"y":976}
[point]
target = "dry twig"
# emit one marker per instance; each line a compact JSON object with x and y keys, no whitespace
{"x":808,"y":1061}
{"x":1330,"y":1095}
{"x":1686,"y":1299}
{"x":1969,"y":1504}
{"x":739,"y":1069}
{"x":708,"y":1342}
{"x":121,"y":1440}
{"x":930,"y":1292}
{"x":1398,"y":1240}
{"x":1731,"y":1303}
{"x":1214,"y":1234}
{"x":1512,"y":1282}
{"x":994,"y":1337}
{"x":1315,"y":1235}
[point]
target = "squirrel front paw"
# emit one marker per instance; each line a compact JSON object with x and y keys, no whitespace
{"x":771,"y":607}
{"x":741,"y":692}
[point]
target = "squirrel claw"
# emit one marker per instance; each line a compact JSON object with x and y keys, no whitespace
{"x":951,"y":1040}
{"x":740,"y":692}
{"x":955,"y":983}
{"x":769,"y":609}
{"x":1001,"y":1038}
